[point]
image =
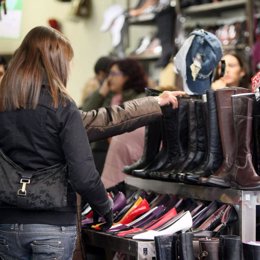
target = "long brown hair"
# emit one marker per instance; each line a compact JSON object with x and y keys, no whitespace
{"x":44,"y":54}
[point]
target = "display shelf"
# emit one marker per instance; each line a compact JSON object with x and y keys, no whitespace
{"x":147,"y":19}
{"x":244,"y":201}
{"x":140,"y":250}
{"x":214,"y":7}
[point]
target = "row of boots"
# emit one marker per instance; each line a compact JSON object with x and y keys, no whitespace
{"x":185,"y":246}
{"x":213,"y":142}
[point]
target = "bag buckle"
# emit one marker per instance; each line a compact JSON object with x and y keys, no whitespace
{"x":24,"y":182}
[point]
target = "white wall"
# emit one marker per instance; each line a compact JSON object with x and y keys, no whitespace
{"x":87,"y":41}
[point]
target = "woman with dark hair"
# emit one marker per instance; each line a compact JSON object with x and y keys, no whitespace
{"x":235,"y":74}
{"x":126,"y":80}
{"x":41,"y":127}
{"x":127,"y":74}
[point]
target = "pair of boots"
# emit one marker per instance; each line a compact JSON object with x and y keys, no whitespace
{"x":235,"y":115}
{"x":185,"y":247}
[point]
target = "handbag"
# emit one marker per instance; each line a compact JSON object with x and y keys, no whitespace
{"x":41,"y":189}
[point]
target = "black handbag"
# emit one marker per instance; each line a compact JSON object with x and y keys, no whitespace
{"x":43,"y":189}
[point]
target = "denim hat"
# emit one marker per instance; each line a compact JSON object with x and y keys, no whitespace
{"x":197,"y":59}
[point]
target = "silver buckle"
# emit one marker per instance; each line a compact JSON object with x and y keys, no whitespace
{"x":22,"y":191}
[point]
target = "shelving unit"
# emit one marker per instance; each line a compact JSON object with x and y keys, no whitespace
{"x":214,"y":7}
{"x":136,"y":250}
{"x":222,"y":12}
{"x":245,"y":203}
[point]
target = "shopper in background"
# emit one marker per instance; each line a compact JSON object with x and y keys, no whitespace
{"x":3,"y":65}
{"x":235,"y":75}
{"x":127,"y":80}
{"x":101,"y":70}
{"x":40,"y":127}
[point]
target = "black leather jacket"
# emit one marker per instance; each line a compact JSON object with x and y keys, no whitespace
{"x":38,"y":138}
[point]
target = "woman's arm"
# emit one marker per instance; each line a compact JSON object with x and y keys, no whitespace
{"x":109,"y":121}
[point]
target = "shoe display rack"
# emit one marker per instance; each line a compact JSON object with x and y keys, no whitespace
{"x":135,"y":250}
{"x":245,"y":202}
{"x":222,"y":12}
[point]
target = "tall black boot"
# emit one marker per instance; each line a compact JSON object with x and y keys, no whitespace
{"x":152,"y":141}
{"x":182,"y":247}
{"x":251,"y":251}
{"x":186,"y":246}
{"x":192,"y":140}
{"x":165,"y":21}
{"x":161,"y":158}
{"x":201,"y":134}
{"x":230,"y":247}
{"x":208,"y":249}
{"x":181,"y":138}
{"x":171,"y":130}
{"x":214,"y":149}
{"x":163,"y":247}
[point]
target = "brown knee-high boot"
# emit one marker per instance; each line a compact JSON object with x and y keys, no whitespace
{"x":226,"y":127}
{"x":243,"y":174}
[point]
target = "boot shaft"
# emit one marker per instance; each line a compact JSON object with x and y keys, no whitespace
{"x":225,"y":120}
{"x":251,"y":251}
{"x":230,"y":247}
{"x":243,"y":174}
{"x":243,"y":122}
{"x":208,"y":249}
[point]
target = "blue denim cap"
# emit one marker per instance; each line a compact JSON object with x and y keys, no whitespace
{"x":201,"y":56}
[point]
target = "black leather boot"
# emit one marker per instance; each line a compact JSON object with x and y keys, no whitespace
{"x":208,"y":249}
{"x":152,"y":141}
{"x":171,"y":131}
{"x":214,"y":149}
{"x":181,"y":138}
{"x":163,"y":247}
{"x":182,"y":247}
{"x":201,"y":133}
{"x":165,"y":21}
{"x":230,"y":247}
{"x":192,"y":143}
{"x":186,"y":246}
{"x":251,"y":251}
{"x":161,"y":159}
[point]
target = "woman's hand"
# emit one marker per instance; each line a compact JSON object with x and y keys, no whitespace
{"x":218,"y":84}
{"x":104,"y":89}
{"x":169,"y":97}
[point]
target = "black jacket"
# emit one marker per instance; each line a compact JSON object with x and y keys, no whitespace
{"x":39,"y":138}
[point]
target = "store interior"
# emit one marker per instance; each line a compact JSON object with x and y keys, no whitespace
{"x":153,"y":35}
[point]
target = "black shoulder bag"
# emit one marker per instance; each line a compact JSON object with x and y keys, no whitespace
{"x":43,"y":189}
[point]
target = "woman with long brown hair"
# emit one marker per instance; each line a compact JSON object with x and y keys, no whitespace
{"x":41,"y":127}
